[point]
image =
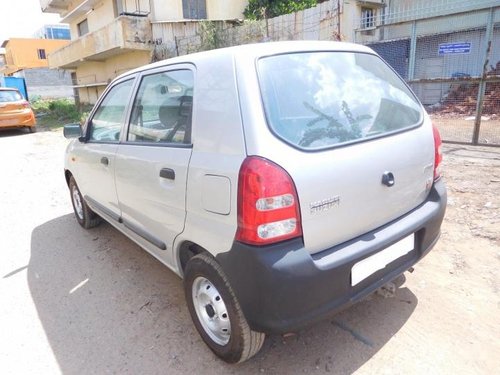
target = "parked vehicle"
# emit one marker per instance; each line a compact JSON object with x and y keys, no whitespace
{"x":281,"y":181}
{"x":15,"y":112}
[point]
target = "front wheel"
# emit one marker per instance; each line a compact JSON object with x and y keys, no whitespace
{"x":216,"y":312}
{"x":84,"y":215}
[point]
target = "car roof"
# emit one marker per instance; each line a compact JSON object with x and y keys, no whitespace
{"x":255,"y":51}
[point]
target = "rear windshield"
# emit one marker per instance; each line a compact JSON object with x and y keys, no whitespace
{"x":322,"y":99}
{"x":9,"y":96}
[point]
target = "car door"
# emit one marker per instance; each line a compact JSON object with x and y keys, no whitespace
{"x":152,"y":160}
{"x":95,"y":159}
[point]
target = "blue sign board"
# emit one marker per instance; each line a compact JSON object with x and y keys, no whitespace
{"x":454,"y":48}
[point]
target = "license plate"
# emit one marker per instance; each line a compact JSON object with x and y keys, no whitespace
{"x":372,"y":264}
{"x":9,"y":122}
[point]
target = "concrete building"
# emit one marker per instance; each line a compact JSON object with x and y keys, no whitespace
{"x":109,"y":37}
{"x":27,"y":58}
{"x":24,"y":53}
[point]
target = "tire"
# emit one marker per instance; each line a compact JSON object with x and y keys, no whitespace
{"x":84,"y":215}
{"x":216,"y":312}
{"x":32,"y":129}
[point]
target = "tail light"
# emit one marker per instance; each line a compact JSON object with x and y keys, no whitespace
{"x":268,"y":207}
{"x":26,"y":105}
{"x":438,"y":153}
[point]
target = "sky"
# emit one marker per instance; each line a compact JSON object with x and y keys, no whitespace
{"x":21,"y":18}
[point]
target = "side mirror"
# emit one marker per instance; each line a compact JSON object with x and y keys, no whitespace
{"x":72,"y":131}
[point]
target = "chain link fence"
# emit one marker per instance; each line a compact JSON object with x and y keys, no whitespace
{"x":452,"y":63}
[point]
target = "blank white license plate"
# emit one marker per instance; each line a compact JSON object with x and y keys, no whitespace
{"x":372,"y":264}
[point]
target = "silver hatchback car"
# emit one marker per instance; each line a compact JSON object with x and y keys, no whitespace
{"x":281,"y":181}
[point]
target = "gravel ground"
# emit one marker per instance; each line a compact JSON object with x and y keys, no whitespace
{"x":91,"y":302}
{"x":459,"y":128}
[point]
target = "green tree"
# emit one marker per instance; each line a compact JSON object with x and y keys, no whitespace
{"x":261,"y":9}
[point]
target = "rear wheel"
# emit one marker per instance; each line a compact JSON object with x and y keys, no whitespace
{"x":84,"y":215}
{"x":216,"y":312}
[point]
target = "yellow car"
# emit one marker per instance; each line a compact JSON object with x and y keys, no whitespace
{"x":15,"y":111}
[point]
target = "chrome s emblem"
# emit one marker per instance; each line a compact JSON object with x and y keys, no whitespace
{"x":324,"y":205}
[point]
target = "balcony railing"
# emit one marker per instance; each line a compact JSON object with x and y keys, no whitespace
{"x":124,"y":34}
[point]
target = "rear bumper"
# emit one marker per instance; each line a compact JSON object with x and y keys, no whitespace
{"x":282,"y":288}
{"x":18,"y":120}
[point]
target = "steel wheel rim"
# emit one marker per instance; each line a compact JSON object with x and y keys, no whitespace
{"x":211,"y":311}
{"x":77,"y":202}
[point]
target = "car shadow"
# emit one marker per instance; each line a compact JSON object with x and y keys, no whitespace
{"x":4,"y":133}
{"x":108,"y":307}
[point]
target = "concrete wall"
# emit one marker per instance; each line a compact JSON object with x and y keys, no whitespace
{"x":225,"y":9}
{"x":166,"y":10}
{"x":47,"y":83}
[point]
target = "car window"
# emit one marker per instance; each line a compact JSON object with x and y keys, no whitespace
{"x":321,"y":99}
{"x":108,"y":118}
{"x":9,"y":96}
{"x":162,"y":108}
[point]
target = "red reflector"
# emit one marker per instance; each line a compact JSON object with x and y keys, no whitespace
{"x":438,"y":153}
{"x":268,"y":208}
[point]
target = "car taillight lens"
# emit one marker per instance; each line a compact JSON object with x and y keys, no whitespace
{"x":26,"y":105}
{"x":268,"y":207}
{"x":438,"y":153}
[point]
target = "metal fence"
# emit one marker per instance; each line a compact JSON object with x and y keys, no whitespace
{"x":452,"y":62}
{"x":447,"y":50}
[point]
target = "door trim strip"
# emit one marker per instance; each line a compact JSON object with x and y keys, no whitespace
{"x":146,"y":235}
{"x":103,"y":209}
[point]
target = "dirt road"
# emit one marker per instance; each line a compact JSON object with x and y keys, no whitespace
{"x":91,"y":302}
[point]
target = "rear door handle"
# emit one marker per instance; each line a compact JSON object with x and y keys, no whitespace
{"x":167,"y":173}
{"x":104,"y":160}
